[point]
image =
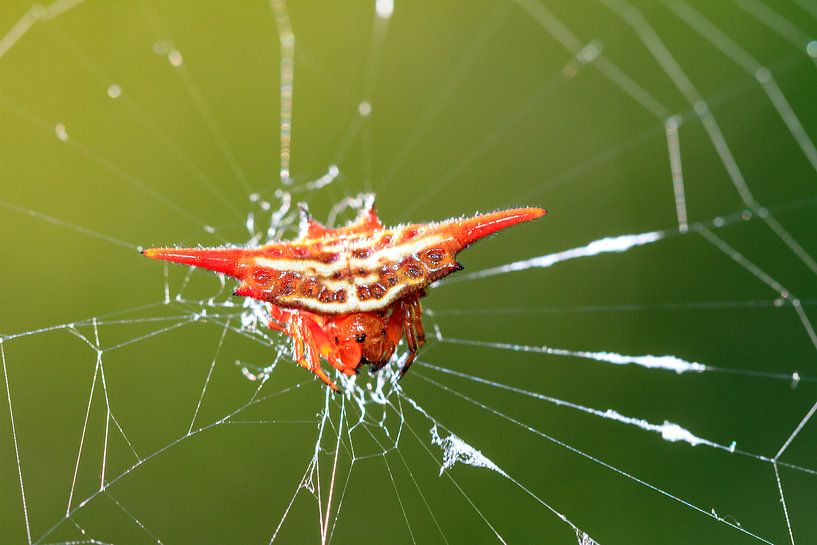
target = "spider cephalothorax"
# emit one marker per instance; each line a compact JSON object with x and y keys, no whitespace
{"x":349,"y":294}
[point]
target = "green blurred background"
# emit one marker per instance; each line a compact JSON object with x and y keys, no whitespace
{"x":475,"y":105}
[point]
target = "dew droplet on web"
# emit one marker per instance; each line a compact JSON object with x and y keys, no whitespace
{"x":746,"y":215}
{"x":589,"y":52}
{"x":210,"y":229}
{"x":287,"y":41}
{"x":333,"y":170}
{"x":384,"y":8}
{"x":364,"y":108}
{"x":811,"y":48}
{"x":174,"y":57}
{"x":254,"y":197}
{"x":114,"y":91}
{"x":763,"y":75}
{"x":286,"y":90}
{"x":61,"y":133}
{"x":718,"y":222}
{"x":779,"y":302}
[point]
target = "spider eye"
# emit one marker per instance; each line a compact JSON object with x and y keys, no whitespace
{"x":360,"y":338}
{"x":337,"y":340}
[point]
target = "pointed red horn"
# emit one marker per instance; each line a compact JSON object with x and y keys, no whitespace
{"x":227,"y":261}
{"x":470,"y":230}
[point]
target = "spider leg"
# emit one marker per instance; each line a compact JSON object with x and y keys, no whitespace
{"x":339,"y":365}
{"x":279,"y":319}
{"x":411,"y":342}
{"x":306,"y":351}
{"x":275,"y":326}
{"x":407,"y":363}
{"x":315,"y":366}
{"x":394,"y":329}
{"x":321,"y":374}
{"x":413,"y":329}
{"x":394,"y":332}
{"x":417,"y":321}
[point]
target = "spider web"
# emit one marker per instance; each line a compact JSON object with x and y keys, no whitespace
{"x":654,"y":384}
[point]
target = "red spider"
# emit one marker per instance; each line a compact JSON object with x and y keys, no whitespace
{"x":349,"y":294}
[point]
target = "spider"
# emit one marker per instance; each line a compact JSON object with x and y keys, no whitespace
{"x":349,"y":295}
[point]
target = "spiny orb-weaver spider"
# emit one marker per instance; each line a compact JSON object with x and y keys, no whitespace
{"x":349,"y":294}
